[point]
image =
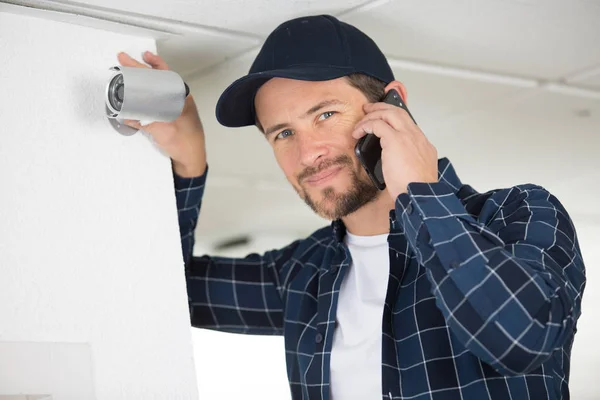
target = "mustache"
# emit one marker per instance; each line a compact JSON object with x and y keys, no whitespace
{"x":310,"y":171}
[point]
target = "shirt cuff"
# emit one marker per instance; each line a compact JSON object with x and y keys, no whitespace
{"x":184,"y":183}
{"x":189,"y":191}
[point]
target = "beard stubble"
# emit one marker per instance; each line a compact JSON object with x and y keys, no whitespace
{"x":360,"y":192}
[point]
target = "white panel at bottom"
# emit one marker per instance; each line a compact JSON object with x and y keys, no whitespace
{"x":46,"y":371}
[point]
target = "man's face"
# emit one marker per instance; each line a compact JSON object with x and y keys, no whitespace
{"x":309,"y":125}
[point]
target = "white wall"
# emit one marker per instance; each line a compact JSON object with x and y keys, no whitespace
{"x":89,"y":241}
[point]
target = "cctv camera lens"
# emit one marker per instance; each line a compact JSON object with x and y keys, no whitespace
{"x":119,"y":93}
{"x":116,"y":91}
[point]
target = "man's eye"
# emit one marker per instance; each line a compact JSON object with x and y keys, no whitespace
{"x":326,"y":115}
{"x":283,"y":134}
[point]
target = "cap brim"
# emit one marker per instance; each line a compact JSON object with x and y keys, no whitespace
{"x":235,"y":107}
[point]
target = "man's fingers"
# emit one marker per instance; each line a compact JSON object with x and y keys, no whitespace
{"x":377,"y":127}
{"x":127,"y":61}
{"x":155,"y":61}
{"x":390,"y":117}
{"x":368,"y":107}
{"x":133,"y":124}
{"x":396,"y":116}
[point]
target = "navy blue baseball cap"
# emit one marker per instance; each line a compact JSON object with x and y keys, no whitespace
{"x":312,"y":48}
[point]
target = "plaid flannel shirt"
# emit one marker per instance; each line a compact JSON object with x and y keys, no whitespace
{"x":483,"y":297}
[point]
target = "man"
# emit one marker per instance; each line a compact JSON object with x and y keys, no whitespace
{"x":426,"y":290}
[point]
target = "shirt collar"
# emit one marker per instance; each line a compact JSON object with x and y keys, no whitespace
{"x":446,"y":174}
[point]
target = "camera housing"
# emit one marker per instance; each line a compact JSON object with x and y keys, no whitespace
{"x":143,"y":94}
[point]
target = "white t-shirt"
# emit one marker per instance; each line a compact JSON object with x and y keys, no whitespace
{"x":357,"y":344}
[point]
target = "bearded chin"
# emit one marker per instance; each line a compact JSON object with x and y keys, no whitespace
{"x":336,"y":205}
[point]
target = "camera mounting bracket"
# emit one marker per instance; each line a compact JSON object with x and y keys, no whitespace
{"x":119,"y":126}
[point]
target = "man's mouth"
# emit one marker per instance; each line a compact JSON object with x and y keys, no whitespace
{"x":324,"y":176}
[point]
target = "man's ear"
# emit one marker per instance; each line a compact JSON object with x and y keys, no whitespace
{"x":399,"y":88}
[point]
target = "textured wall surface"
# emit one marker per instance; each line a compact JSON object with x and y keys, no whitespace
{"x":89,"y":241}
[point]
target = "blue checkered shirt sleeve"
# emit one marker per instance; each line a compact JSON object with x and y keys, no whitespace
{"x":238,"y":295}
{"x":509,"y":286}
{"x":188,"y":194}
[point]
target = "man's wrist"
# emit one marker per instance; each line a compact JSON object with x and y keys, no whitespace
{"x":189,"y":170}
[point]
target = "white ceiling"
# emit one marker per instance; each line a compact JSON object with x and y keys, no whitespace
{"x":486,"y":82}
{"x":533,"y":38}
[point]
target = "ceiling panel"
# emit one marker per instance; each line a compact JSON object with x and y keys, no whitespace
{"x":257,"y":17}
{"x":521,"y":37}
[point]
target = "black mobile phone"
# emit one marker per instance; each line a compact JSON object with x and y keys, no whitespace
{"x":368,"y":148}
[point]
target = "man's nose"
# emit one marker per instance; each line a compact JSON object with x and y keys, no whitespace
{"x":311,"y":148}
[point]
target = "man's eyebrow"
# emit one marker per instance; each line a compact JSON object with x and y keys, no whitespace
{"x":310,"y":111}
{"x":323,"y":104}
{"x":275,"y":128}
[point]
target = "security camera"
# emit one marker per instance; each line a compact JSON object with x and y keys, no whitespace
{"x":143,"y":94}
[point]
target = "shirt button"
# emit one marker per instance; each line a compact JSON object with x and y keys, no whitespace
{"x":319,"y":338}
{"x":454,"y":264}
{"x":409,"y":209}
